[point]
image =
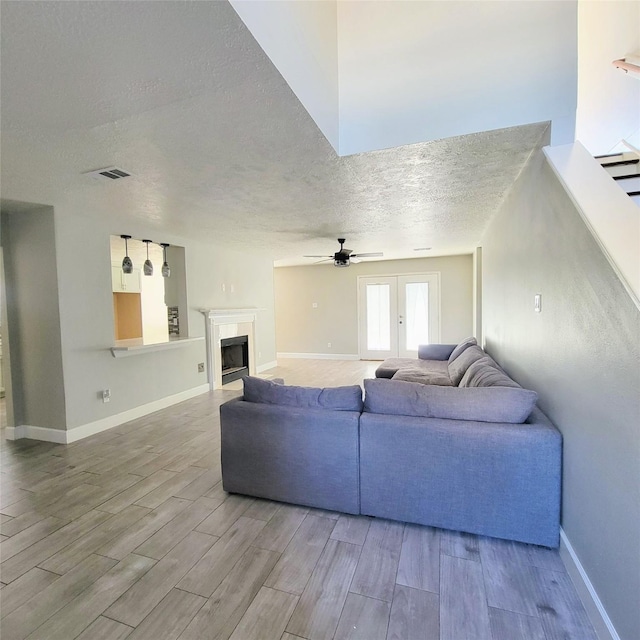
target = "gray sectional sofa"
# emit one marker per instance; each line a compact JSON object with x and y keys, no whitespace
{"x":479,"y":458}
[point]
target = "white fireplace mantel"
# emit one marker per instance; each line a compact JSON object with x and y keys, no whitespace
{"x":227,"y":323}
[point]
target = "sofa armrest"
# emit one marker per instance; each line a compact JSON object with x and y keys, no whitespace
{"x":435,"y":351}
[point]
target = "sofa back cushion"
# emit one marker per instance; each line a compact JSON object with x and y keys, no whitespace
{"x":461,"y":346}
{"x":486,"y":373}
{"x":482,"y":404}
{"x":347,"y":398}
{"x":458,"y":367}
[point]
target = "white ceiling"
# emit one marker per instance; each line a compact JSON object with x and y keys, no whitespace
{"x":181,"y":95}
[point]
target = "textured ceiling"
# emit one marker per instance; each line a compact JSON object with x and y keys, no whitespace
{"x":220,"y":147}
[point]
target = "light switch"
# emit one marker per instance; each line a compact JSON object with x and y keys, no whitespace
{"x":537,"y":302}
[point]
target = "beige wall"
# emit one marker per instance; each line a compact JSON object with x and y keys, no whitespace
{"x":301,"y":328}
{"x":581,"y":355}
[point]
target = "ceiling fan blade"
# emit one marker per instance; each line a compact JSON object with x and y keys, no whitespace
{"x":321,"y":261}
{"x":354,"y":260}
{"x":377,"y":254}
{"x":325,"y":257}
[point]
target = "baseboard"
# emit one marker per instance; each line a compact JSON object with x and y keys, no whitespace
{"x":266,"y":366}
{"x":321,"y":356}
{"x":46,"y":434}
{"x":84,"y":431}
{"x":592,"y":603}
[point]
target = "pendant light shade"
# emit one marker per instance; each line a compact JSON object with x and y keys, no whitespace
{"x":147,"y":269}
{"x":127,"y":265}
{"x":166,"y":271}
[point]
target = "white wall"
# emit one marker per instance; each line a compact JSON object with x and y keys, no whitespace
{"x":608,"y":98}
{"x":300,"y":38}
{"x":413,"y":71}
{"x":301,"y":328}
{"x":581,"y":355}
{"x":376,"y":75}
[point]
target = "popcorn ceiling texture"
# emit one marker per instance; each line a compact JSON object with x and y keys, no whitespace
{"x":219,"y":146}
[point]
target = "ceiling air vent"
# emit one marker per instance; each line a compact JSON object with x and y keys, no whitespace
{"x":109,"y":173}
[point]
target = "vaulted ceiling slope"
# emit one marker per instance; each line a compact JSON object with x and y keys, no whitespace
{"x":181,"y":95}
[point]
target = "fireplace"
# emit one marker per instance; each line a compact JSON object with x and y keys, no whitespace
{"x":234,"y":355}
{"x":221,"y":324}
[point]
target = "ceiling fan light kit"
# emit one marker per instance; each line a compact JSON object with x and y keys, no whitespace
{"x":343,"y":257}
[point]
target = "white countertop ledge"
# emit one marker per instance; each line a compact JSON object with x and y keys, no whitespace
{"x":135,"y":346}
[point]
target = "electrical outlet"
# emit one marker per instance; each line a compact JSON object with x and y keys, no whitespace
{"x":328,"y":344}
{"x":106,"y":395}
{"x":224,"y":287}
{"x":200,"y":367}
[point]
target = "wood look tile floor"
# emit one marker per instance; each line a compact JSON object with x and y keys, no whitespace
{"x":128,"y":534}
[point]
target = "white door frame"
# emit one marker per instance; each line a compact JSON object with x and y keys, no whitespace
{"x":433,"y":277}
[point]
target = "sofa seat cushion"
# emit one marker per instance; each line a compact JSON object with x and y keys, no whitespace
{"x":458,"y":366}
{"x":486,"y":373}
{"x":391,"y":366}
{"x":415,"y":374}
{"x":481,"y":404}
{"x":348,"y":398}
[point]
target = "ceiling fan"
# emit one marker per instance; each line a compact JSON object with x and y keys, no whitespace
{"x":344,"y":257}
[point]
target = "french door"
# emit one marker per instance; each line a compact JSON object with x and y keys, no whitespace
{"x":397,"y":313}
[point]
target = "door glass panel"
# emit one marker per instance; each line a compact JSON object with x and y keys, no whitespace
{"x":378,"y":318}
{"x":417,"y":319}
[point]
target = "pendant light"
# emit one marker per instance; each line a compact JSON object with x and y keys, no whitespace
{"x":166,"y":271}
{"x":127,"y":265}
{"x":148,"y":267}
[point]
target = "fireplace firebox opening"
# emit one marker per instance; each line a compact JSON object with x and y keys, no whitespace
{"x":234,"y":358}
